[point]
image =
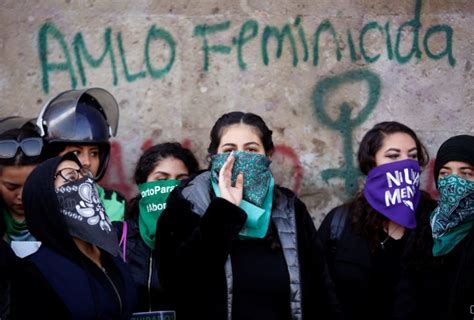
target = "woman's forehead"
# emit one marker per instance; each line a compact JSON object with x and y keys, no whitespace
{"x":67,"y":164}
{"x":457,"y":165}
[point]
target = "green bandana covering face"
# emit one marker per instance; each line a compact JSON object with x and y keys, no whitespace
{"x":151,"y":205}
{"x":258,"y":189}
{"x":255,"y":168}
{"x":452,"y":220}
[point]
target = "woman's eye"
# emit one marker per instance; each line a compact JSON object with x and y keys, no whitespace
{"x":70,"y":178}
{"x":76,"y":152}
{"x":11,"y":187}
{"x":94,"y":154}
{"x":443,"y":173}
{"x":467,"y":173}
{"x":392,"y":156}
{"x":413,"y":156}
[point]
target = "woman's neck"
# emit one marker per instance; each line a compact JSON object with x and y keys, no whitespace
{"x":89,"y":250}
{"x":395,"y":230}
{"x":19,"y":218}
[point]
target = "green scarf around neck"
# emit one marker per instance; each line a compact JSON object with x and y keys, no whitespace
{"x":151,"y":205}
{"x":453,"y":219}
{"x":16,"y":231}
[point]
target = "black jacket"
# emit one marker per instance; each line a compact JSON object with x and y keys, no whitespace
{"x":192,"y":251}
{"x":142,"y":263}
{"x":436,"y":287}
{"x":8,"y":261}
{"x":58,"y":281}
{"x":352,"y":267}
{"x":47,"y":285}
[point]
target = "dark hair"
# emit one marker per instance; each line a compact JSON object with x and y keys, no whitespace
{"x":365,"y":220}
{"x":373,"y":141}
{"x":151,"y":158}
{"x":238,"y":117}
{"x":20,"y":158}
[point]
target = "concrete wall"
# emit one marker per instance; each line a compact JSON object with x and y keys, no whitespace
{"x":321,"y":73}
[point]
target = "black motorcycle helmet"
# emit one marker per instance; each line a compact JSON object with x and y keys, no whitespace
{"x":80,"y":117}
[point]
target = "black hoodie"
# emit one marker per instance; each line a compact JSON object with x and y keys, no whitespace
{"x":58,"y":281}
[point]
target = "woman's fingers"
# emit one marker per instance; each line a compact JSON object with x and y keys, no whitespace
{"x":226,"y":171}
{"x":239,"y":183}
{"x":229,"y":192}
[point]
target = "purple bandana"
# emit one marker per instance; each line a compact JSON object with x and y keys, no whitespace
{"x":393,"y":190}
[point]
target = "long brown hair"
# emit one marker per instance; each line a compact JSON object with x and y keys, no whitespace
{"x":365,"y":220}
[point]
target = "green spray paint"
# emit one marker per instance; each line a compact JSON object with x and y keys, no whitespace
{"x":80,"y":51}
{"x":49,"y":30}
{"x":388,"y":41}
{"x":365,"y":29}
{"x":155,"y":34}
{"x":352,"y":49}
{"x":325,"y":26}
{"x":302,"y":36}
{"x":203,"y":30}
{"x":128,"y":76}
{"x":271,"y":31}
{"x":448,"y":50}
{"x":415,"y":26}
{"x":345,"y":124}
{"x":293,"y":36}
{"x":244,"y":37}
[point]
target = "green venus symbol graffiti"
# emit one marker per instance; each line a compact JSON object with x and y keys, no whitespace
{"x":346,"y":122}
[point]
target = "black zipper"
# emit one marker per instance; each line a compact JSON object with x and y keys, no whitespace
{"x":150,"y":272}
{"x":114,"y":287}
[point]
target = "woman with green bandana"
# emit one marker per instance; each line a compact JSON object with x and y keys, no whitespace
{"x":233,"y":245}
{"x":438,"y":278}
{"x":20,"y":152}
{"x":157,"y":172}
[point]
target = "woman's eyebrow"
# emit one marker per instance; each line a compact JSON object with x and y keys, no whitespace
{"x":161,"y":172}
{"x":252,"y":142}
{"x":228,"y":144}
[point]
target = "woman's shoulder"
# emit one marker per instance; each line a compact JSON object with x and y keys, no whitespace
{"x":281,"y":193}
{"x":286,"y":198}
{"x":339,"y":213}
{"x":26,"y":270}
{"x":334,"y":223}
{"x":193,"y":194}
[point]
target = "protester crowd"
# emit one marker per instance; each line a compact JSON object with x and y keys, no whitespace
{"x":225,"y":242}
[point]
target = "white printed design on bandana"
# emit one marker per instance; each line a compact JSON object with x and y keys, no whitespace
{"x":395,"y":195}
{"x":89,"y":206}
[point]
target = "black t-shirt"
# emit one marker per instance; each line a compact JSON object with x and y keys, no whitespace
{"x":261,"y":284}
{"x":386,"y":270}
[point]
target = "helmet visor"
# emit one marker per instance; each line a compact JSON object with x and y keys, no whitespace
{"x":59,"y":115}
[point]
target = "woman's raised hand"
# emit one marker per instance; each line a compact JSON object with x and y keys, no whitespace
{"x":230,"y":193}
